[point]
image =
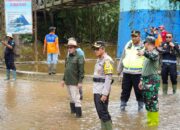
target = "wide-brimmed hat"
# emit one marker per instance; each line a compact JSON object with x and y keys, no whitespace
{"x":9,"y":35}
{"x":72,"y":42}
{"x":98,"y":44}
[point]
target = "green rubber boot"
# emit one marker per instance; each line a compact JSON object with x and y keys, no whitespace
{"x":153,"y":119}
{"x":14,"y":74}
{"x":165,"y":89}
{"x":108,"y":125}
{"x":7,"y":74}
{"x":174,"y":88}
{"x":148,"y":117}
{"x":103,"y":126}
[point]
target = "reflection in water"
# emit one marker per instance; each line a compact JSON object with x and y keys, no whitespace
{"x":89,"y":65}
{"x":32,"y":105}
{"x":10,"y":95}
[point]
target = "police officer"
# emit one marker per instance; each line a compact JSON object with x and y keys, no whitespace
{"x":102,"y":84}
{"x":169,"y":51}
{"x":51,"y":45}
{"x":131,"y":65}
{"x":9,"y":57}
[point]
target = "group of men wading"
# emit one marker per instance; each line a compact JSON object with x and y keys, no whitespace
{"x":139,"y":64}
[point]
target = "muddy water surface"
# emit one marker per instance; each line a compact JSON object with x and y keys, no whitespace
{"x":34,"y":105}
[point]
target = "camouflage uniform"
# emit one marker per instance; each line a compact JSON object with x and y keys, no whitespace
{"x":151,"y":81}
{"x":150,"y":89}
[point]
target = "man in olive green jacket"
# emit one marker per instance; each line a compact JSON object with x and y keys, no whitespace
{"x":73,"y":76}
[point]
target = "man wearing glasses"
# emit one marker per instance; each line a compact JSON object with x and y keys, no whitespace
{"x":169,"y":52}
{"x":73,"y":76}
{"x":131,"y":65}
{"x":102,"y":84}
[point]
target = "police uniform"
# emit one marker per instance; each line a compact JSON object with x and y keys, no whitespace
{"x":169,"y":65}
{"x":102,"y":86}
{"x":131,"y":65}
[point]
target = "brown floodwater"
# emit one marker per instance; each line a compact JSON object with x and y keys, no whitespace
{"x":89,"y":64}
{"x":88,"y":67}
{"x":40,"y":105}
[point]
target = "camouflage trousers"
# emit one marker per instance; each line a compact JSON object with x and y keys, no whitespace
{"x":150,"y":90}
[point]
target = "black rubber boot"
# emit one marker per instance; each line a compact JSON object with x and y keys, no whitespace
{"x":78,"y":112}
{"x":73,"y":109}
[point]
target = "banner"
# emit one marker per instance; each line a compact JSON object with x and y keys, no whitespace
{"x":18,"y":16}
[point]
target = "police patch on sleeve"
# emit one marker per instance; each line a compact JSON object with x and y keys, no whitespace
{"x":108,"y":67}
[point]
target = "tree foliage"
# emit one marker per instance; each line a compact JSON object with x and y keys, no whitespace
{"x":86,"y":24}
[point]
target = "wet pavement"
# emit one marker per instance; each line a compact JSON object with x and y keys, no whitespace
{"x":41,"y":105}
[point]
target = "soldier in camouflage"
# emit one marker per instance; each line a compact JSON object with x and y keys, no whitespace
{"x":150,"y":81}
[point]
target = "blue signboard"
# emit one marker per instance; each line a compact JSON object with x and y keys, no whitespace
{"x":143,"y":14}
{"x":18,"y":16}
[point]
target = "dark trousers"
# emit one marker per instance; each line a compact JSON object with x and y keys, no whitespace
{"x":169,"y":69}
{"x":102,"y":108}
{"x":9,"y":61}
{"x":129,"y":81}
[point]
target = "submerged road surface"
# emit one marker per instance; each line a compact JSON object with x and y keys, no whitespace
{"x":40,"y":105}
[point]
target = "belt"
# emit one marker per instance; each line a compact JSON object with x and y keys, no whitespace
{"x":149,"y":76}
{"x":169,"y":61}
{"x":100,"y":80}
{"x":132,"y":68}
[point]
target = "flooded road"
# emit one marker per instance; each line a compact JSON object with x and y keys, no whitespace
{"x":40,"y":105}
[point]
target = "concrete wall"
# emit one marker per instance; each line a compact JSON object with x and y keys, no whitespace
{"x":141,"y":14}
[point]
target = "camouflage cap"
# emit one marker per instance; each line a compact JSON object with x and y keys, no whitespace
{"x":150,"y":40}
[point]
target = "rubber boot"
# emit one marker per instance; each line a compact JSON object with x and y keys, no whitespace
{"x":108,"y":125}
{"x":7,"y":74}
{"x":153,"y":118}
{"x":140,"y":106}
{"x":72,"y":107}
{"x":165,"y":89}
{"x":53,"y":68}
{"x":148,"y":117}
{"x":103,"y":126}
{"x":49,"y":69}
{"x":174,"y":88}
{"x":78,"y":112}
{"x":123,"y":105}
{"x":14,"y":74}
